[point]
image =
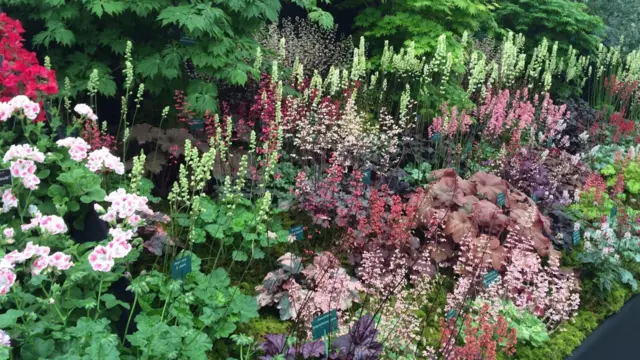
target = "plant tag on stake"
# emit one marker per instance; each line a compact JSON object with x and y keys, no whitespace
{"x":185,"y":40}
{"x":366,"y":178}
{"x":576,"y":237}
{"x":500,"y":199}
{"x":451,"y":313}
{"x":534,"y":198}
{"x":324,"y":324}
{"x":181,"y":267}
{"x":435,"y":136}
{"x":489,"y":278}
{"x":614,"y":211}
{"x":298,"y":232}
{"x":5,"y":177}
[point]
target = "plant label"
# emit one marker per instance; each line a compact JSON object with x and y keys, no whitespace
{"x":467,"y":149}
{"x":185,"y":40}
{"x":1,"y":59}
{"x":576,"y":237}
{"x":451,"y":313}
{"x":549,"y":142}
{"x":500,"y":199}
{"x":324,"y":324}
{"x":489,"y":278}
{"x":5,"y":177}
{"x":298,"y":232}
{"x":435,"y":136}
{"x":534,"y":198}
{"x":366,"y":178}
{"x":196,"y":124}
{"x":614,"y":211}
{"x":181,"y":267}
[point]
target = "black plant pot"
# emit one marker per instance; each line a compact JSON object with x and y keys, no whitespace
{"x":95,"y":230}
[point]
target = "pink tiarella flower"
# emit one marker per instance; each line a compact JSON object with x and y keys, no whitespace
{"x":102,"y":158}
{"x":7,"y":279}
{"x":60,"y":261}
{"x":101,"y":259}
{"x":39,"y":265}
{"x":6,"y":111}
{"x":53,"y":225}
{"x":8,"y":232}
{"x":85,"y":110}
{"x":78,"y":148}
{"x":118,"y":248}
{"x":9,"y":201}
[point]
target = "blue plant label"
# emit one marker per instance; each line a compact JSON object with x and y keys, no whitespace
{"x":489,"y":278}
{"x":366,"y":178}
{"x":549,"y":142}
{"x":467,"y":149}
{"x":500,"y":199}
{"x":576,"y":237}
{"x":534,"y":198}
{"x":435,"y":136}
{"x":181,"y":267}
{"x":5,"y":177}
{"x":324,"y":324}
{"x":185,"y":40}
{"x":614,"y":211}
{"x":451,"y":313}
{"x":298,"y":232}
{"x":196,"y":124}
{"x":1,"y":56}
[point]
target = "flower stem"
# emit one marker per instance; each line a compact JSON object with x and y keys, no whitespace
{"x":99,"y":296}
{"x":126,"y":328}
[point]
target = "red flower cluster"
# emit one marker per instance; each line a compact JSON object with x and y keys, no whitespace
{"x":483,"y":337}
{"x":20,"y":72}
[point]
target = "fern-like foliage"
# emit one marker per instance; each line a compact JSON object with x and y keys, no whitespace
{"x":566,"y":21}
{"x":82,"y":35}
{"x":422,"y":21}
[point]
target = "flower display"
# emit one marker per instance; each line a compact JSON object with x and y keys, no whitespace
{"x":103,"y":159}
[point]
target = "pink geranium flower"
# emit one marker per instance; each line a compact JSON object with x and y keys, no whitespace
{"x":101,"y":259}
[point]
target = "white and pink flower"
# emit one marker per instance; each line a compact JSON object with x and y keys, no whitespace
{"x":9,"y":201}
{"x":5,"y":340}
{"x":119,"y":248}
{"x":22,"y":168}
{"x":53,"y":225}
{"x":39,"y":265}
{"x":101,"y":259}
{"x":8,"y":232}
{"x":24,"y":151}
{"x":6,"y":111}
{"x":78,"y":148}
{"x":102,"y":158}
{"x":60,"y":261}
{"x":7,"y":279}
{"x":85,"y":110}
{"x":118,"y":234}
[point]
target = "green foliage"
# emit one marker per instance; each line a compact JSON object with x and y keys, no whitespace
{"x":565,"y":21}
{"x":621,"y":18}
{"x":529,"y":328}
{"x":82,"y":35}
{"x":418,"y":174}
{"x":422,"y":21}
{"x":590,"y":209}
